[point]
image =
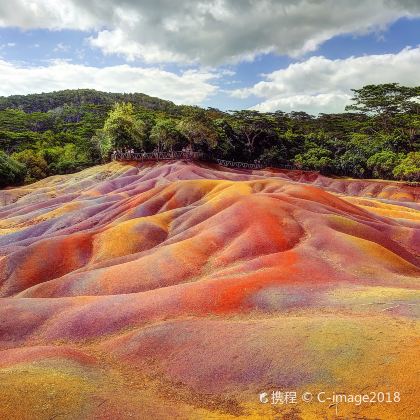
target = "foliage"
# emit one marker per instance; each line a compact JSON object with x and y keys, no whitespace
{"x":65,"y":159}
{"x":36,"y":166}
{"x":102,"y":144}
{"x":409,"y":167}
{"x":388,"y":98}
{"x":254,"y":131}
{"x":65,"y":131}
{"x":385,"y":102}
{"x":44,"y":102}
{"x":315,"y":158}
{"x":198,"y":131}
{"x":383,"y":163}
{"x":164,"y":135}
{"x":122,"y":129}
{"x":11,"y":171}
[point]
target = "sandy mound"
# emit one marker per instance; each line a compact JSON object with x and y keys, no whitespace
{"x":182,"y":291}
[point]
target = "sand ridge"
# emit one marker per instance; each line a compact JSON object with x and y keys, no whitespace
{"x":207,"y":282}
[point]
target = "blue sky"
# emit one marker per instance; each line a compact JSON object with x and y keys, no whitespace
{"x":282,"y":55}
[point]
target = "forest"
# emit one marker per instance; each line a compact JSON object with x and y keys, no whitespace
{"x":378,"y":135}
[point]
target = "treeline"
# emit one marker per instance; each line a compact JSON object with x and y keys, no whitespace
{"x":44,"y":102}
{"x":66,"y":131}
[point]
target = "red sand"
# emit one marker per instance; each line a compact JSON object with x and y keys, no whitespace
{"x":182,"y":291}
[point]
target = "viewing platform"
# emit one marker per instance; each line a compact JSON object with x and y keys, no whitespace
{"x":187,"y":155}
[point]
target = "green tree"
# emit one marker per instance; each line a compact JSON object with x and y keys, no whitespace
{"x":383,"y":163}
{"x":11,"y":171}
{"x":385,"y":101}
{"x":254,"y":129}
{"x":409,"y":124}
{"x":65,"y":159}
{"x":66,"y":128}
{"x":102,"y":144}
{"x":164,"y":134}
{"x":122,"y":129}
{"x":409,"y":167}
{"x":316,"y":158}
{"x":197,"y":132}
{"x":358,"y":149}
{"x":36,"y":166}
{"x":226,"y":139}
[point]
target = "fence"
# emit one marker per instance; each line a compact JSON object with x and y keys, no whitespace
{"x":240,"y":165}
{"x":156,"y":156}
{"x":413,"y":183}
{"x":188,"y":155}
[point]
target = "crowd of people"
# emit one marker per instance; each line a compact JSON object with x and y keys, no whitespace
{"x":130,"y":153}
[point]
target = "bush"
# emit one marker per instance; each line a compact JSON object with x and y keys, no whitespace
{"x":11,"y":171}
{"x":409,"y":168}
{"x":36,"y":166}
{"x":122,"y":129}
{"x":65,"y":159}
{"x":316,"y":159}
{"x":383,"y":163}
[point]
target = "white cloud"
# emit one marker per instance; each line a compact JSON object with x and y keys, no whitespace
{"x":7,"y":45}
{"x":61,"y":47}
{"x":49,"y":14}
{"x":118,"y":42}
{"x":209,"y":32}
{"x":190,"y":87}
{"x":323,"y":85}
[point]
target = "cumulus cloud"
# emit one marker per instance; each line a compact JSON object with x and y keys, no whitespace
{"x":209,"y":32}
{"x":323,"y":85}
{"x":190,"y":87}
{"x":48,"y":14}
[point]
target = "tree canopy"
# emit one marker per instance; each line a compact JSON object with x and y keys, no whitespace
{"x":62,"y":132}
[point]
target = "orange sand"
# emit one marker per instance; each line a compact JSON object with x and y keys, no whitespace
{"x":178,"y":290}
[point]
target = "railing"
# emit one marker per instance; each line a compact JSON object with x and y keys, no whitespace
{"x":413,"y":183}
{"x":241,"y":165}
{"x":157,"y":156}
{"x":188,"y":155}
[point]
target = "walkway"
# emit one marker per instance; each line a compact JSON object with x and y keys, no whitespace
{"x":185,"y":155}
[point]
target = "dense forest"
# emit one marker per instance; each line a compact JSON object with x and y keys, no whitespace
{"x":61,"y":132}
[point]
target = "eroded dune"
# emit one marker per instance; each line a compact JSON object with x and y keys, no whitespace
{"x":178,"y":290}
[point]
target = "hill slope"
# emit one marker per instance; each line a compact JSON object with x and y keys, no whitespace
{"x":183,"y":290}
{"x":44,"y":102}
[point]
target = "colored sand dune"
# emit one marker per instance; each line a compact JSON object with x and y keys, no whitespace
{"x":180,"y":290}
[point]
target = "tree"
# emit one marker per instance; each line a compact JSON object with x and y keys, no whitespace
{"x":227,"y":143}
{"x":253,"y":127}
{"x":409,"y":124}
{"x":65,"y":159}
{"x":385,"y":101}
{"x":383,"y":163}
{"x":36,"y":166}
{"x":75,"y":128}
{"x":409,"y":167}
{"x":316,"y":158}
{"x":102,"y":143}
{"x":197,"y":131}
{"x":388,"y":98}
{"x":164,"y":134}
{"x":11,"y":171}
{"x":122,"y":129}
{"x":358,"y":149}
